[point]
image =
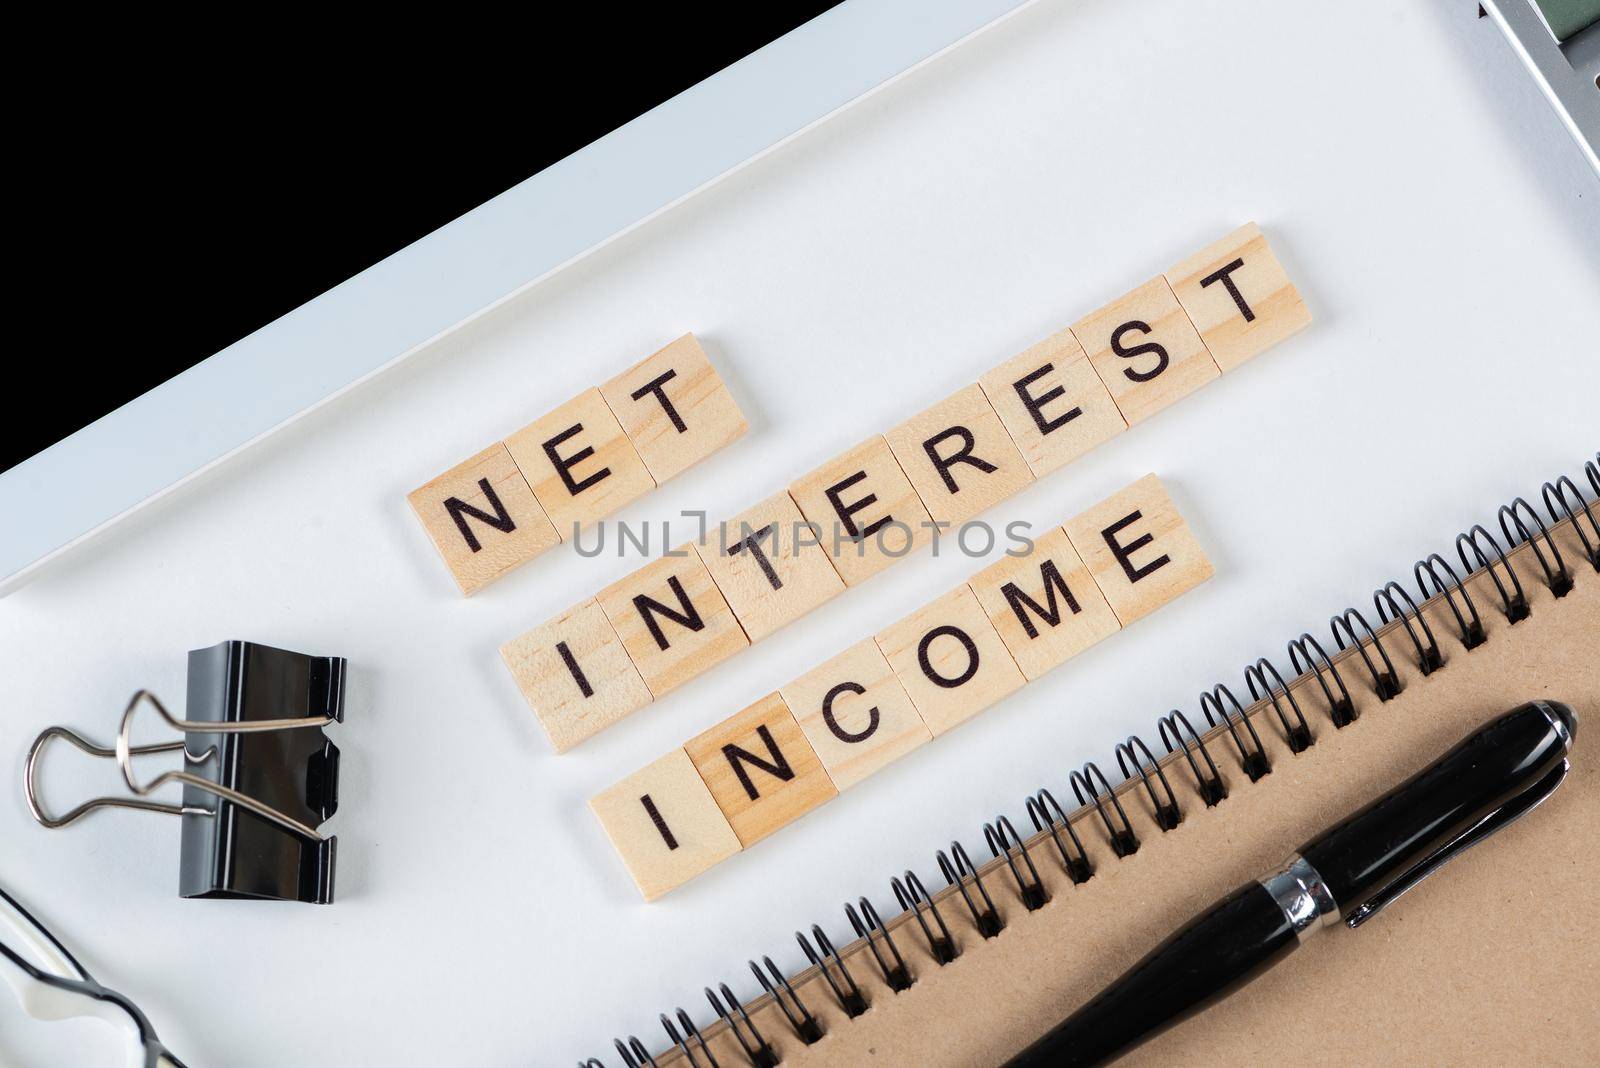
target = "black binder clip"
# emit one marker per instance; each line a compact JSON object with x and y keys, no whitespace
{"x":258,"y":774}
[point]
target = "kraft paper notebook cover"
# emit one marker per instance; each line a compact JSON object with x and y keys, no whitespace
{"x":1495,"y":960}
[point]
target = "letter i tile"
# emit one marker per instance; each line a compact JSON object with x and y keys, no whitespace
{"x":664,"y":823}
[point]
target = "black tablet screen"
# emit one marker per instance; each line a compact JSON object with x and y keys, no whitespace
{"x":208,"y":196}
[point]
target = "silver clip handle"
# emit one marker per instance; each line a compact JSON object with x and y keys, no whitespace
{"x":124,"y":752}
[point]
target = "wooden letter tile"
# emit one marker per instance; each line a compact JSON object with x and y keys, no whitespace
{"x":483,"y":518}
{"x":950,"y":660}
{"x":582,"y":467}
{"x":675,"y":408}
{"x":1238,"y":297}
{"x":1053,"y":403}
{"x":575,"y":675}
{"x":959,"y":456}
{"x":855,"y":713}
{"x":1139,"y":550}
{"x":1045,"y":606}
{"x":664,"y":823}
{"x":1145,"y":350}
{"x":672,"y":620}
{"x":769,"y":564}
{"x":761,"y":770}
{"x":865,"y":508}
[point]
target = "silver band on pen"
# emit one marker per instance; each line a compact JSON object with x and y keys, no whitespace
{"x":1298,"y":889}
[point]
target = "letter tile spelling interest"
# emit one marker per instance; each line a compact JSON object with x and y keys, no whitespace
{"x":873,"y":504}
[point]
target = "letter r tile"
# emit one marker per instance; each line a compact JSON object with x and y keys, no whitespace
{"x":1138,"y":549}
{"x":959,"y":457}
{"x":761,"y":770}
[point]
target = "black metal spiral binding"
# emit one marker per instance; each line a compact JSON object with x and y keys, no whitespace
{"x":986,"y":919}
{"x":1385,"y":683}
{"x":1341,"y":710}
{"x":1054,"y":818}
{"x":1004,"y":841}
{"x":913,"y":896}
{"x":756,"y":1048}
{"x":1437,"y":583}
{"x":1559,"y":580}
{"x":1210,"y":783}
{"x":1165,"y":812}
{"x":1296,"y":735}
{"x":851,"y":1000}
{"x":633,"y":1054}
{"x":1515,"y":604}
{"x":682,"y":1040}
{"x":1253,"y":758}
{"x":1556,"y":493}
{"x":1472,"y":634}
{"x":1429,"y":658}
{"x":805,"y":1025}
{"x":1124,"y":843}
{"x":871,"y":931}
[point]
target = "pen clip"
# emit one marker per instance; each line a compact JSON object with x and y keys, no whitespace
{"x":1502,"y":817}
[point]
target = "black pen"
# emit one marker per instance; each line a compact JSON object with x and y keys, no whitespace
{"x":1349,"y":873}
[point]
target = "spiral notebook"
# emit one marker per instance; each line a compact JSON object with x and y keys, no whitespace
{"x":1494,"y":961}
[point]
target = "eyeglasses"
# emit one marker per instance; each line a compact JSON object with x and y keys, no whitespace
{"x":52,"y":985}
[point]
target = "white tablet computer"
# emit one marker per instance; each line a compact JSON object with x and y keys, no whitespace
{"x":83,"y":478}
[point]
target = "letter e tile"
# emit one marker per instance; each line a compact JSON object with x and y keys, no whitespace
{"x":1139,"y":550}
